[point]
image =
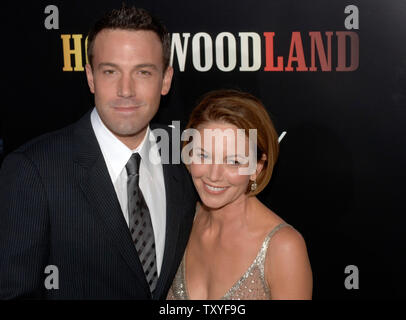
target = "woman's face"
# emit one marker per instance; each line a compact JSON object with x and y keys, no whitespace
{"x":220,"y":182}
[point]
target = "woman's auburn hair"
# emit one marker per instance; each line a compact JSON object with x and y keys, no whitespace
{"x":244,"y":111}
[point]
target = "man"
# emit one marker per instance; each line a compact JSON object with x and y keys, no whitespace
{"x":90,"y":200}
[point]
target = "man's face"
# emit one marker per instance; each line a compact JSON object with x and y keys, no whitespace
{"x":127,"y":79}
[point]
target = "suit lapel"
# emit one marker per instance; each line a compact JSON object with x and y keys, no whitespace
{"x":174,"y":199}
{"x":95,"y":182}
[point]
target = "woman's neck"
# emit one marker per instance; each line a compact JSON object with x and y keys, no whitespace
{"x":232,"y":217}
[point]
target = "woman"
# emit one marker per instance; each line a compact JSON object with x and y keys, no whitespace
{"x":238,"y":248}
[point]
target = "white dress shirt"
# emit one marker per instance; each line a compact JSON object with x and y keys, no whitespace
{"x":116,"y":155}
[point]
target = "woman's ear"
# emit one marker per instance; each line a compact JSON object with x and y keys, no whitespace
{"x":260,"y":166}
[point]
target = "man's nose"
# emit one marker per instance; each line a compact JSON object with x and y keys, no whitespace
{"x":126,"y":87}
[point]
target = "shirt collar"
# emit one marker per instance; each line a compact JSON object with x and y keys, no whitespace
{"x":116,"y":153}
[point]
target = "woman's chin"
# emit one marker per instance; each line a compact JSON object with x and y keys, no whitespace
{"x":213,"y":204}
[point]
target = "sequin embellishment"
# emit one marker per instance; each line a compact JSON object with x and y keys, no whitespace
{"x":251,"y":286}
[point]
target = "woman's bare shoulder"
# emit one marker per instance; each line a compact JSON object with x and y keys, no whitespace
{"x":288,"y":269}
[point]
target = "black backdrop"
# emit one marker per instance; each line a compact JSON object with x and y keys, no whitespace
{"x":340,"y":176}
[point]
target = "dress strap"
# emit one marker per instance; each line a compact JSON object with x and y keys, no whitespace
{"x":262,"y":253}
{"x":274,"y":230}
{"x":259,"y":263}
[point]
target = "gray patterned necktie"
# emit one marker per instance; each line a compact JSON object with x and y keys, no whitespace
{"x":140,"y":223}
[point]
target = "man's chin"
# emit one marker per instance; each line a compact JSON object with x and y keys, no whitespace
{"x":128,"y":130}
{"x":133,"y":132}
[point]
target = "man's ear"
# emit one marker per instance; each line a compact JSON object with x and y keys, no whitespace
{"x":167,"y":80}
{"x":89,"y":76}
{"x":260,"y":166}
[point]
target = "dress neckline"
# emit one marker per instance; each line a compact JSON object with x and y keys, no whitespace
{"x":235,"y":286}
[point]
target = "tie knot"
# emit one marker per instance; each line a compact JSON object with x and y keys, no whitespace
{"x":133,"y":165}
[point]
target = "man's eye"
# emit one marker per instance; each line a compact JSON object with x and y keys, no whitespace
{"x":144,"y":72}
{"x":108,"y":72}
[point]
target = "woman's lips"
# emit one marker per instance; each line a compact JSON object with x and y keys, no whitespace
{"x":213,"y":189}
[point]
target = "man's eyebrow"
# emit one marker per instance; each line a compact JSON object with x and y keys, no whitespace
{"x":138,"y":66}
{"x":107,"y":64}
{"x":146,"y":65}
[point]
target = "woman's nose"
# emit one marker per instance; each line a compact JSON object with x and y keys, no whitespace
{"x":215,"y":171}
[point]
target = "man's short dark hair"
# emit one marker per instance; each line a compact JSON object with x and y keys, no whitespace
{"x":130,"y":18}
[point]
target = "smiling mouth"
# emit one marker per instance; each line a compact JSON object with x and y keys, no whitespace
{"x":213,"y":189}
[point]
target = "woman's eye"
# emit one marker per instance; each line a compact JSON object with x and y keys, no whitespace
{"x":233,"y":162}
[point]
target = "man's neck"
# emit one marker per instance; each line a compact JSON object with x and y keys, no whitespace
{"x":132,"y":142}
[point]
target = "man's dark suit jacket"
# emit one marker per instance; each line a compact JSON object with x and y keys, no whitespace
{"x":58,"y":207}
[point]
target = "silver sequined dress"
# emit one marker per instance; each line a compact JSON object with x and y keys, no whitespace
{"x":251,"y":286}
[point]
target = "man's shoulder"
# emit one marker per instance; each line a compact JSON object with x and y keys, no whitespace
{"x":59,"y":142}
{"x":42,"y":153}
{"x":47,"y":140}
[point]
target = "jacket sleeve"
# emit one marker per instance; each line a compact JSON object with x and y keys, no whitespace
{"x":23,"y":229}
